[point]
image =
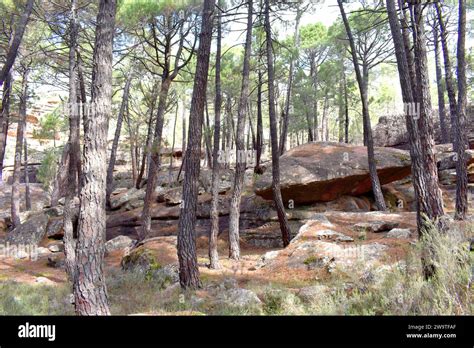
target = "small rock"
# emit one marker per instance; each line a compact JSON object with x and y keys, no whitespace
{"x":375,"y":226}
{"x":56,"y":247}
{"x":42,"y":251}
{"x":344,"y":238}
{"x":326,"y":234}
{"x":268,"y":256}
{"x":140,"y":260}
{"x":240,"y":298}
{"x":309,"y":293}
{"x":399,"y":233}
{"x":21,"y":254}
{"x":120,"y":200}
{"x":55,"y":228}
{"x":165,"y":275}
{"x":56,"y":262}
{"x":119,"y":242}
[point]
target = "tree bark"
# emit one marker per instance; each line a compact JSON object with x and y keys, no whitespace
{"x":361,"y":80}
{"x":425,"y":192}
{"x":170,"y":176}
{"x":341,"y":116}
{"x":426,"y":132}
{"x":277,"y":199}
{"x":448,"y":73}
{"x":346,"y":111}
{"x":315,"y":123}
{"x":146,"y":153}
{"x":15,"y":199}
{"x":324,"y":121}
{"x":286,"y":114}
{"x":310,"y":126}
{"x":27,"y":180}
{"x":461,"y":125}
{"x":183,"y":119}
{"x":13,"y":49}
{"x":258,"y":169}
{"x":73,"y":146}
{"x":207,"y":139}
{"x":60,"y":181}
{"x":241,"y":162}
{"x":134,"y":154}
{"x":425,"y":122}
{"x":188,"y":268}
{"x":440,"y":88}
{"x":90,"y":291}
{"x":408,"y":47}
{"x":154,"y":164}
{"x":214,"y":233}
{"x":115,"y":143}
{"x":5,"y":120}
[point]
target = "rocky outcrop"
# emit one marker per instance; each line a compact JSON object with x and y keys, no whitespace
{"x":151,"y":254}
{"x":31,"y":232}
{"x":239,"y":298}
{"x":324,"y":171}
{"x":130,"y":196}
{"x":391,"y":130}
{"x":118,"y":243}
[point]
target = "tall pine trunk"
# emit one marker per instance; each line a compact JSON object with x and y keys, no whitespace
{"x":154,"y":164}
{"x":440,"y":88}
{"x":115,"y":143}
{"x":13,"y":48}
{"x":341,"y":106}
{"x":346,"y":110}
{"x":132,"y":136}
{"x":146,"y":153}
{"x":15,"y":199}
{"x":188,"y":267}
{"x":27,"y":178}
{"x":425,"y":192}
{"x":461,"y":125}
{"x":73,"y":146}
{"x":361,"y":80}
{"x":425,"y":122}
{"x":259,"y":142}
{"x":277,"y":199}
{"x":241,"y":162}
{"x":90,"y":291}
{"x":214,"y":233}
{"x":5,"y":120}
{"x":289,"y":87}
{"x":448,"y":73}
{"x":173,"y":142}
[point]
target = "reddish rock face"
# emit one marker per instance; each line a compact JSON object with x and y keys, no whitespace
{"x":324,"y":171}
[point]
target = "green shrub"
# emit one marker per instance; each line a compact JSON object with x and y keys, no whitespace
{"x":47,"y":170}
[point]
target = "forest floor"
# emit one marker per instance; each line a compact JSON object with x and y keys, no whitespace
{"x":363,"y":273}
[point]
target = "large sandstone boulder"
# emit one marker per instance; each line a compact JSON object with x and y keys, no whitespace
{"x":31,"y":232}
{"x":324,"y":171}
